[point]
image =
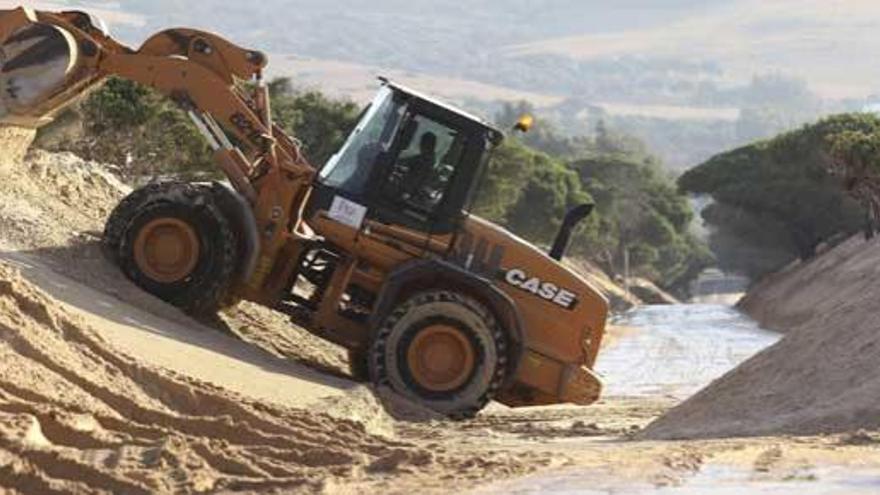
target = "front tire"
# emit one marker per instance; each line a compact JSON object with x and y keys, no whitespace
{"x":443,"y":350}
{"x":173,"y":241}
{"x":126,"y":210}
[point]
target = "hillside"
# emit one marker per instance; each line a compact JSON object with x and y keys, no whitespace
{"x":804,"y":37}
{"x":805,"y":292}
{"x":822,"y":377}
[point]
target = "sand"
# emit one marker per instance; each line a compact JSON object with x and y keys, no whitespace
{"x":52,"y":199}
{"x":15,"y":141}
{"x":649,"y":293}
{"x":77,"y":414}
{"x":618,"y":299}
{"x":52,"y":213}
{"x":823,"y":377}
{"x":104,"y":388}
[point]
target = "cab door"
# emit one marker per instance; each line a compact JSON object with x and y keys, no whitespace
{"x":418,"y":189}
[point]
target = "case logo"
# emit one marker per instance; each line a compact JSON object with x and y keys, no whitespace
{"x":545,"y":290}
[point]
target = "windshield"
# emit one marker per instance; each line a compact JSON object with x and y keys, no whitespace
{"x":349,"y":169}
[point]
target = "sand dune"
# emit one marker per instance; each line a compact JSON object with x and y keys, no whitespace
{"x":821,"y":378}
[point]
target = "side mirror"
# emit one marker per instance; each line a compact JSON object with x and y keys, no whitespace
{"x":524,"y":123}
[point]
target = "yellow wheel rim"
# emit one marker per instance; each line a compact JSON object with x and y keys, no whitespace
{"x":441,"y":358}
{"x":167,"y":250}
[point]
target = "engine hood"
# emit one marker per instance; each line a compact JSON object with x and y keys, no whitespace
{"x":563,"y":313}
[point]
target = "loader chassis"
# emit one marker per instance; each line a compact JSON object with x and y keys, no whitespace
{"x":374,"y":251}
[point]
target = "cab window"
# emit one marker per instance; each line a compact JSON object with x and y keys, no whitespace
{"x":350,"y":168}
{"x":420,"y":175}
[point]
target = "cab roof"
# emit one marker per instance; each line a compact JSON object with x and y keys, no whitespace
{"x":496,"y":134}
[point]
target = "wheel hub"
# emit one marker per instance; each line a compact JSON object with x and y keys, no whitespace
{"x":441,"y":358}
{"x":167,"y":250}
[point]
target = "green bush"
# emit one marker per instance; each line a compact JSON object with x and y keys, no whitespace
{"x":638,"y":208}
{"x":134,"y":127}
{"x":775,"y":200}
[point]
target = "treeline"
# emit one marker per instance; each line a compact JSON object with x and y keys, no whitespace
{"x":529,"y":186}
{"x":128,"y":125}
{"x":768,"y":105}
{"x":777,"y":200}
{"x":147,"y":135}
{"x":416,"y":37}
{"x":639,"y":214}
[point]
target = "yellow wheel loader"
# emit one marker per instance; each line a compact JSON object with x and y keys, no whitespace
{"x":375,"y":250}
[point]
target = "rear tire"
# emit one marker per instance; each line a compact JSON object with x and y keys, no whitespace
{"x":202,"y":284}
{"x":443,"y":350}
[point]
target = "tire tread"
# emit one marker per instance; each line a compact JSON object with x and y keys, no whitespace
{"x":379,"y":373}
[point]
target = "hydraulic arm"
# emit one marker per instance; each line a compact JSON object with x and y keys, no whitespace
{"x":50,"y":59}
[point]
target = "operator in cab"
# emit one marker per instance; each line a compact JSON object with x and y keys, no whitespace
{"x":419,"y":168}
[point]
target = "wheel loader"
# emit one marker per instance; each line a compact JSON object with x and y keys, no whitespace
{"x":374,"y":250}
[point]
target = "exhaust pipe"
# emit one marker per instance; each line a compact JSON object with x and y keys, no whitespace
{"x":574,"y":216}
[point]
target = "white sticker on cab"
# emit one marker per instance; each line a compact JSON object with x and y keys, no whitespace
{"x":347,"y":212}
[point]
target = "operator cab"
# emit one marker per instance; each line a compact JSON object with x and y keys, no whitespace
{"x":411,"y":161}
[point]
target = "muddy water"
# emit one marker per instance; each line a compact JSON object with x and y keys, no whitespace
{"x":712,"y":479}
{"x":677,"y":350}
{"x":674,"y":351}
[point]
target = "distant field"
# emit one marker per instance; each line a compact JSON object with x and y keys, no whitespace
{"x":827,"y":43}
{"x":358,"y":82}
{"x":670,"y":112}
{"x":830,"y":44}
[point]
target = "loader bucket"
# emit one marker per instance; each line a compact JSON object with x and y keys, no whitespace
{"x":36,"y":62}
